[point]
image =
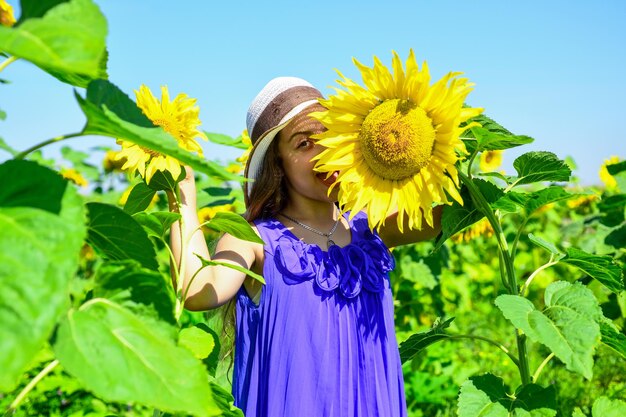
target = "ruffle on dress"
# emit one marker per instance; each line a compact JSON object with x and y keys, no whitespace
{"x":362,"y":264}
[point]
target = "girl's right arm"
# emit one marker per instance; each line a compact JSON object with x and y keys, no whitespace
{"x":212,"y":286}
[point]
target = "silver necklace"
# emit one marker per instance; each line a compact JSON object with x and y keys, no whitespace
{"x":329,"y":241}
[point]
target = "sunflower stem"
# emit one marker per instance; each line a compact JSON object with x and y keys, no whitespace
{"x":180,"y":302}
{"x":8,"y":62}
{"x":40,"y":145}
{"x":513,"y":289}
{"x":532,"y":276}
{"x":45,"y":371}
{"x":540,"y":368}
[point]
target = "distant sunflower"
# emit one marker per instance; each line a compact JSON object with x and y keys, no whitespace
{"x":608,"y":179}
{"x":74,"y":176}
{"x":490,"y":160}
{"x":395,"y":143}
{"x":178,"y":117}
{"x":245,"y":139}
{"x":6,"y":14}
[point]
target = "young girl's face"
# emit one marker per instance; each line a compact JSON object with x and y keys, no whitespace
{"x":296,"y":148}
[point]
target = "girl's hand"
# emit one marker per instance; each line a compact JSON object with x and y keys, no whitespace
{"x":187,"y":189}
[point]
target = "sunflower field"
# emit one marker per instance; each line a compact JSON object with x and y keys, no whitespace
{"x":516,"y":309}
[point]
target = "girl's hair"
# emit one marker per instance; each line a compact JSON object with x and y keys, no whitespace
{"x":268,"y":194}
{"x":268,"y":197}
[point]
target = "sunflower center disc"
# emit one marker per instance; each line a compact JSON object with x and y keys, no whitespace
{"x":397,"y":139}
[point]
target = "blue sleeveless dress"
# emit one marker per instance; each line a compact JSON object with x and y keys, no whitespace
{"x":321,"y":342}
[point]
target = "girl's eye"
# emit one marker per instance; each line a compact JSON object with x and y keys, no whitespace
{"x":304,"y":143}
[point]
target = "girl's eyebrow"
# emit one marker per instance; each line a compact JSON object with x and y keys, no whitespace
{"x":303,"y":132}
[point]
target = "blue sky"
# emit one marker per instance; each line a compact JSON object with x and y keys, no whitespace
{"x":552,"y":70}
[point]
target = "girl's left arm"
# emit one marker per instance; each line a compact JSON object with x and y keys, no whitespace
{"x":391,"y":235}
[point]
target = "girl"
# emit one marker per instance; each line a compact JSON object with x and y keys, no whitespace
{"x":318,"y":338}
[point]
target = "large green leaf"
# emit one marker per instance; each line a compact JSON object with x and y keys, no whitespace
{"x":143,"y":291}
{"x":235,"y":225}
{"x":568,"y":325}
{"x":118,"y":236}
{"x":68,"y":40}
{"x":156,"y":223}
{"x":617,"y":238}
{"x":39,"y":251}
{"x":111,"y":113}
{"x":601,"y":267}
{"x":613,"y":338}
{"x":419,"y":341}
{"x":540,"y":166}
{"x":486,"y":396}
{"x":613,"y":209}
{"x":119,"y":358}
{"x":198,"y":340}
{"x":616,"y":168}
{"x":457,"y":217}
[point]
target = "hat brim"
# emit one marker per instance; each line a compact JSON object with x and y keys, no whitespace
{"x":257,"y":154}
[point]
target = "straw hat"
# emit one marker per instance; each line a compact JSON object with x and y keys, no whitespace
{"x":277,"y":103}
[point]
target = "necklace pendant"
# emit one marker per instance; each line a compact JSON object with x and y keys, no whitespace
{"x":330,"y":243}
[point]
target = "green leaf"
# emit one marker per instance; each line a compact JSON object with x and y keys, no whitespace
{"x":197,"y":340}
{"x":118,"y":236}
{"x":492,"y":141}
{"x":578,"y":413}
{"x":225,"y":401}
{"x":617,"y":238}
{"x":419,"y":341}
{"x":118,"y":358}
{"x":613,"y":208}
{"x":207,"y":262}
{"x":540,"y":166}
{"x":36,"y":8}
{"x":457,"y":217}
{"x":163,"y":180}
{"x":605,"y":407}
{"x":156,"y":223}
{"x":483,"y":396}
{"x":616,"y":168}
{"x":601,"y":267}
{"x":535,"y":400}
{"x":235,"y":225}
{"x":567,"y":326}
{"x":550,"y":247}
{"x":222,"y":139}
{"x":142,"y":291}
{"x":513,"y":201}
{"x":39,"y":253}
{"x":108,"y":112}
{"x":486,"y":395}
{"x":613,"y":338}
{"x":69,"y":39}
{"x":28,"y":184}
{"x":139,"y":198}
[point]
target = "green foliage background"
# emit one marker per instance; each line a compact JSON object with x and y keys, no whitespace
{"x":91,"y":326}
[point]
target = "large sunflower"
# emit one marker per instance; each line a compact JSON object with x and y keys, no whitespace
{"x":178,"y":117}
{"x":395,"y":141}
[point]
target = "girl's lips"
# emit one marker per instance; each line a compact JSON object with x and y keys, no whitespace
{"x":327,"y":181}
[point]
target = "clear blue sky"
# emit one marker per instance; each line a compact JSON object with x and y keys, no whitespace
{"x":553,"y":70}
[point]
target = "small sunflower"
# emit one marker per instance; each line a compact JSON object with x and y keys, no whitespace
{"x":490,"y":160}
{"x":72,"y":175}
{"x":178,"y":117}
{"x":608,"y":179}
{"x":582,"y":201}
{"x":207,"y":213}
{"x":6,"y":14}
{"x":110,"y":163}
{"x":396,"y":141}
{"x":245,"y":139}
